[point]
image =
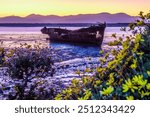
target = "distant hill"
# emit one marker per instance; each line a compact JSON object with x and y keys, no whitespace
{"x":81,"y":18}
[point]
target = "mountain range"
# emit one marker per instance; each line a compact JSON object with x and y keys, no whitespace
{"x":80,"y":18}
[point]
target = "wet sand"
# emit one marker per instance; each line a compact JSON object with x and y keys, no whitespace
{"x":14,"y":40}
{"x":67,"y":58}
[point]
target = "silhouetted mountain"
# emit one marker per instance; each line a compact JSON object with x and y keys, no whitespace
{"x":81,"y":18}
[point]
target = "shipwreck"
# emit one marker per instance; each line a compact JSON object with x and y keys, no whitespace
{"x":90,"y":35}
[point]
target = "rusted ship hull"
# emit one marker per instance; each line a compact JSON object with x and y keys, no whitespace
{"x":91,"y":35}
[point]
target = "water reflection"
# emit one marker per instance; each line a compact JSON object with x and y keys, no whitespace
{"x":76,"y":50}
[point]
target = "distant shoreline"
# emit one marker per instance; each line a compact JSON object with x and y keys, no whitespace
{"x":59,"y":24}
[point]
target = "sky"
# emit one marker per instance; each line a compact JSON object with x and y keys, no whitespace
{"x":71,"y":7}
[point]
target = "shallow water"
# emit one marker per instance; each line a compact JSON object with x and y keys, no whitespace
{"x":13,"y":36}
{"x":36,"y":30}
{"x":68,"y":57}
{"x":76,"y":51}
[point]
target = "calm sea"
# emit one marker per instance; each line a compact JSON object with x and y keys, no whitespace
{"x":36,"y":30}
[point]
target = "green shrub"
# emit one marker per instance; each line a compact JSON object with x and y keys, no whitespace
{"x":125,"y":76}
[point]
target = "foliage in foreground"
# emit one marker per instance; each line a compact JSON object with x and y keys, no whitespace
{"x":126,"y":76}
{"x":30,"y":70}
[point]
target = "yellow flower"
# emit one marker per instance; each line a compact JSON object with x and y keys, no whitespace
{"x":98,"y":82}
{"x":138,"y":80}
{"x":130,"y":98}
{"x":136,"y":46}
{"x":58,"y":97}
{"x":143,"y":94}
{"x":148,"y":72}
{"x":143,"y":83}
{"x":112,"y":64}
{"x":86,"y":79}
{"x":67,"y":91}
{"x":128,"y":86}
{"x":87,"y":94}
{"x":107,"y":91}
{"x":102,"y":60}
{"x":111,"y":79}
{"x":148,"y":86}
{"x":134,"y":65}
{"x":99,"y":70}
{"x":75,"y":82}
{"x":140,"y":53}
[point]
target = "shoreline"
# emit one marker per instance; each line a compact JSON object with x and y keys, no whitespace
{"x":72,"y":57}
